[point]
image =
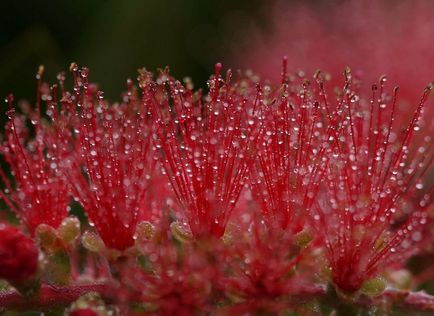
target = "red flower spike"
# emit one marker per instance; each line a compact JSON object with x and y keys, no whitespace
{"x":118,"y":162}
{"x":260,"y":264}
{"x":40,"y":195}
{"x":290,"y":152}
{"x":172,"y":280}
{"x":205,"y":148}
{"x":371,"y":209}
{"x":18,"y":255}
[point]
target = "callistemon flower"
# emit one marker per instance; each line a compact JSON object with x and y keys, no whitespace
{"x":372,"y":206}
{"x":260,"y":263}
{"x":290,"y":150}
{"x":117,"y":158}
{"x":18,"y":255}
{"x":205,"y":145}
{"x":40,"y":195}
{"x":177,"y":276}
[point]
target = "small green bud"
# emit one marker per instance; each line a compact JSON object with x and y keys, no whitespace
{"x":92,"y":242}
{"x":227,"y":238}
{"x":145,"y":231}
{"x":57,"y":268}
{"x":69,"y":230}
{"x":373,"y":287}
{"x":90,"y":301}
{"x":46,"y":236}
{"x":303,"y":238}
{"x":112,"y":254}
{"x":181,"y":232}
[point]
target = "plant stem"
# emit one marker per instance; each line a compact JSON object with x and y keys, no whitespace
{"x":48,"y":297}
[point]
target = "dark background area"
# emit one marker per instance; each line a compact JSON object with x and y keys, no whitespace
{"x":114,"y":38}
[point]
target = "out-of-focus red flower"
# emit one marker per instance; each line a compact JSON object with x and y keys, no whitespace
{"x":259,"y":264}
{"x":18,"y":255}
{"x":371,"y":37}
{"x":173,"y":277}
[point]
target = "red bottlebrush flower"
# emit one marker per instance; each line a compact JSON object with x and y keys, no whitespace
{"x":371,"y":209}
{"x":287,"y":173}
{"x":323,"y":180}
{"x":205,"y":144}
{"x":259,"y":266}
{"x":18,"y":255}
{"x":173,"y":278}
{"x":40,"y":195}
{"x":118,"y":163}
